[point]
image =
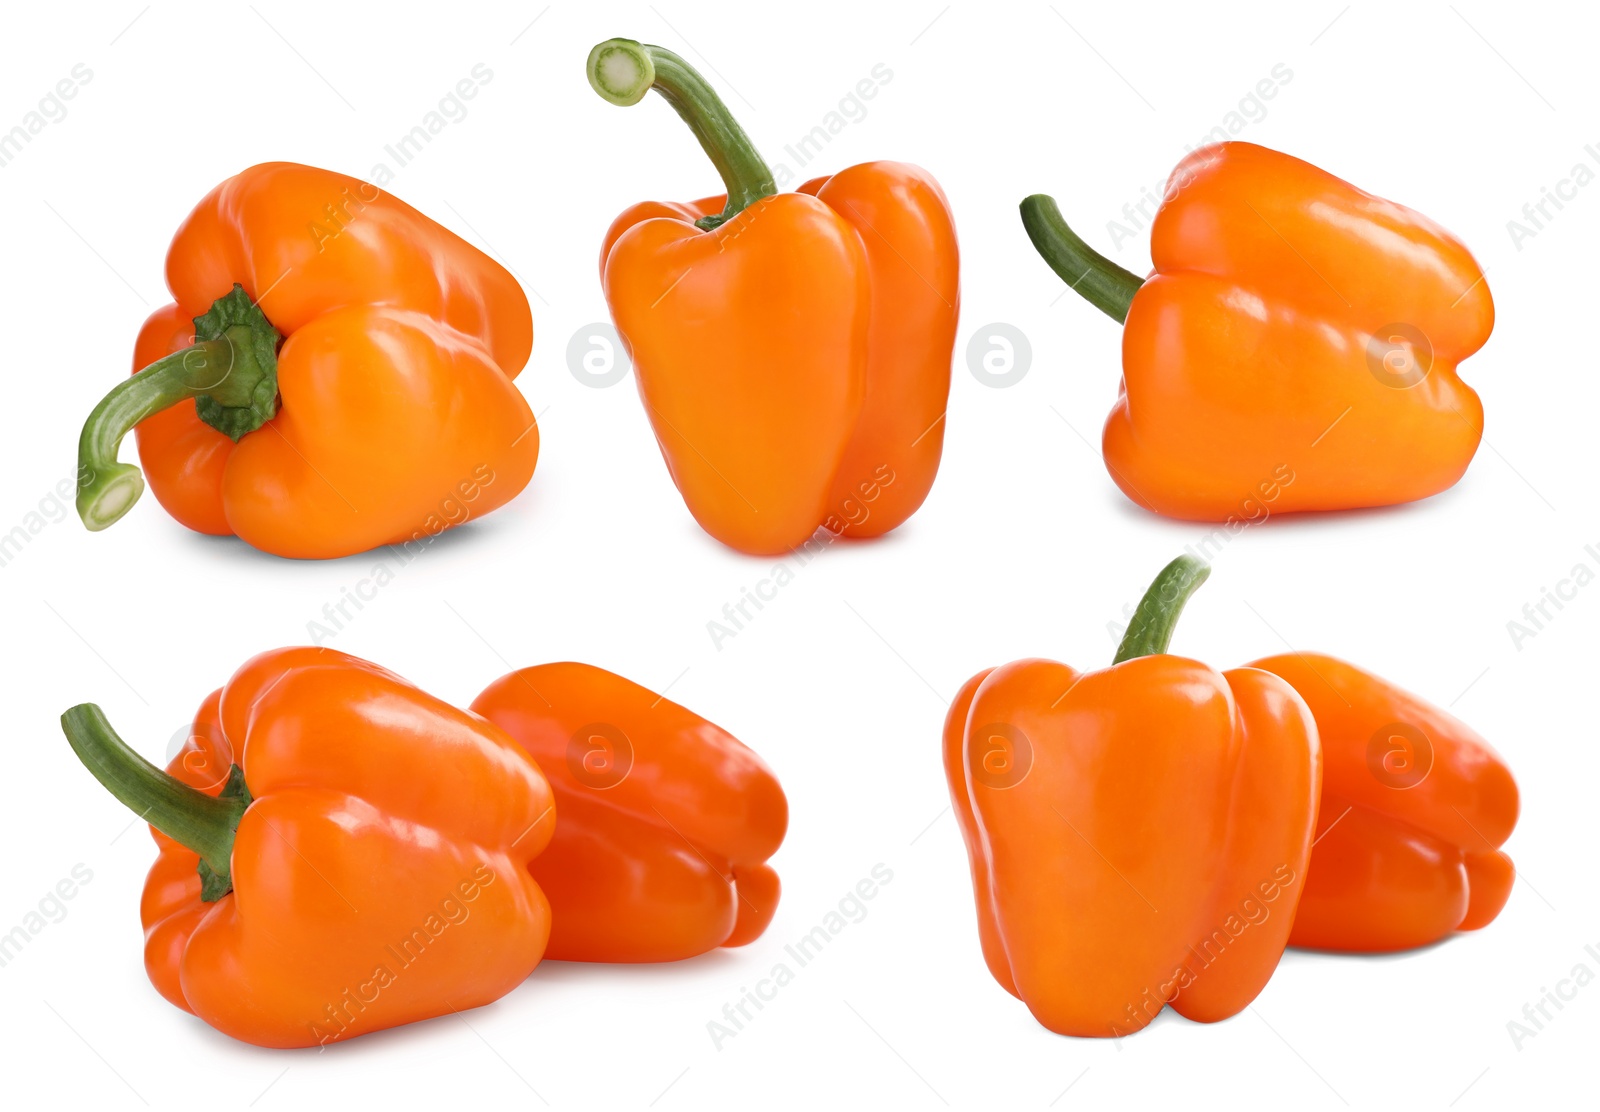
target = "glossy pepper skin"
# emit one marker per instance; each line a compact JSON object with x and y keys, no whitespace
{"x":377,"y":351}
{"x":1138,"y":835}
{"x":1294,"y":349}
{"x":376,"y":872}
{"x":792,"y":349}
{"x":1415,"y":807}
{"x":667,"y":821}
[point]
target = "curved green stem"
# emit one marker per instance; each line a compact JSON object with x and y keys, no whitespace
{"x":188,"y":816}
{"x":622,"y":71}
{"x":108,"y":489}
{"x":231,"y":372}
{"x":1150,"y":631}
{"x":1098,"y":280}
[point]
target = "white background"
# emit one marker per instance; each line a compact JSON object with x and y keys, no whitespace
{"x":1024,"y":547}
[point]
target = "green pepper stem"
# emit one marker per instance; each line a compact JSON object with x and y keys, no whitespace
{"x":186,"y":815}
{"x":231,"y":372}
{"x":1098,"y":280}
{"x":108,"y":489}
{"x":1150,"y":631}
{"x":622,"y":71}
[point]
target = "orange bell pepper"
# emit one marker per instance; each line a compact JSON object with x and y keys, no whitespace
{"x":1294,"y":349}
{"x":792,"y":349}
{"x":1415,"y":806}
{"x":1138,"y":836}
{"x":340,"y":852}
{"x":666,"y":820}
{"x":387,"y":414}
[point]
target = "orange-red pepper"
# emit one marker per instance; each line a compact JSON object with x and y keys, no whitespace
{"x":667,"y":821}
{"x":792,"y":349}
{"x":340,"y":852}
{"x":335,"y":373}
{"x":1415,"y":807}
{"x":1138,"y":836}
{"x":1294,"y":349}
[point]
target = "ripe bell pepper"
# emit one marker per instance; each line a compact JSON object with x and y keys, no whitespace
{"x":1138,"y":836}
{"x":334,"y":374}
{"x":792,"y":349}
{"x":666,"y":820}
{"x":1294,"y":349}
{"x":1415,"y":806}
{"x":340,"y":852}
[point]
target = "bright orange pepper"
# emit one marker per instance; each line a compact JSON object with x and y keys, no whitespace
{"x":1138,"y":836}
{"x":342,"y":852}
{"x":792,"y":349}
{"x":387,"y":414}
{"x":667,"y":821}
{"x":1415,"y":806}
{"x":1294,"y":349}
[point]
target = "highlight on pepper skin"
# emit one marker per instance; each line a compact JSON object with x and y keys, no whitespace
{"x":667,"y":821}
{"x":792,"y":349}
{"x":314,"y":390}
{"x":325,"y":827}
{"x":1292,"y":324}
{"x":1089,"y":800}
{"x":1415,"y":807}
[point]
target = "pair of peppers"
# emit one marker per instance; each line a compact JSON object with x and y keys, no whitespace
{"x":1295,"y":348}
{"x":341,"y":852}
{"x":1158,"y":832}
{"x":335,"y":371}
